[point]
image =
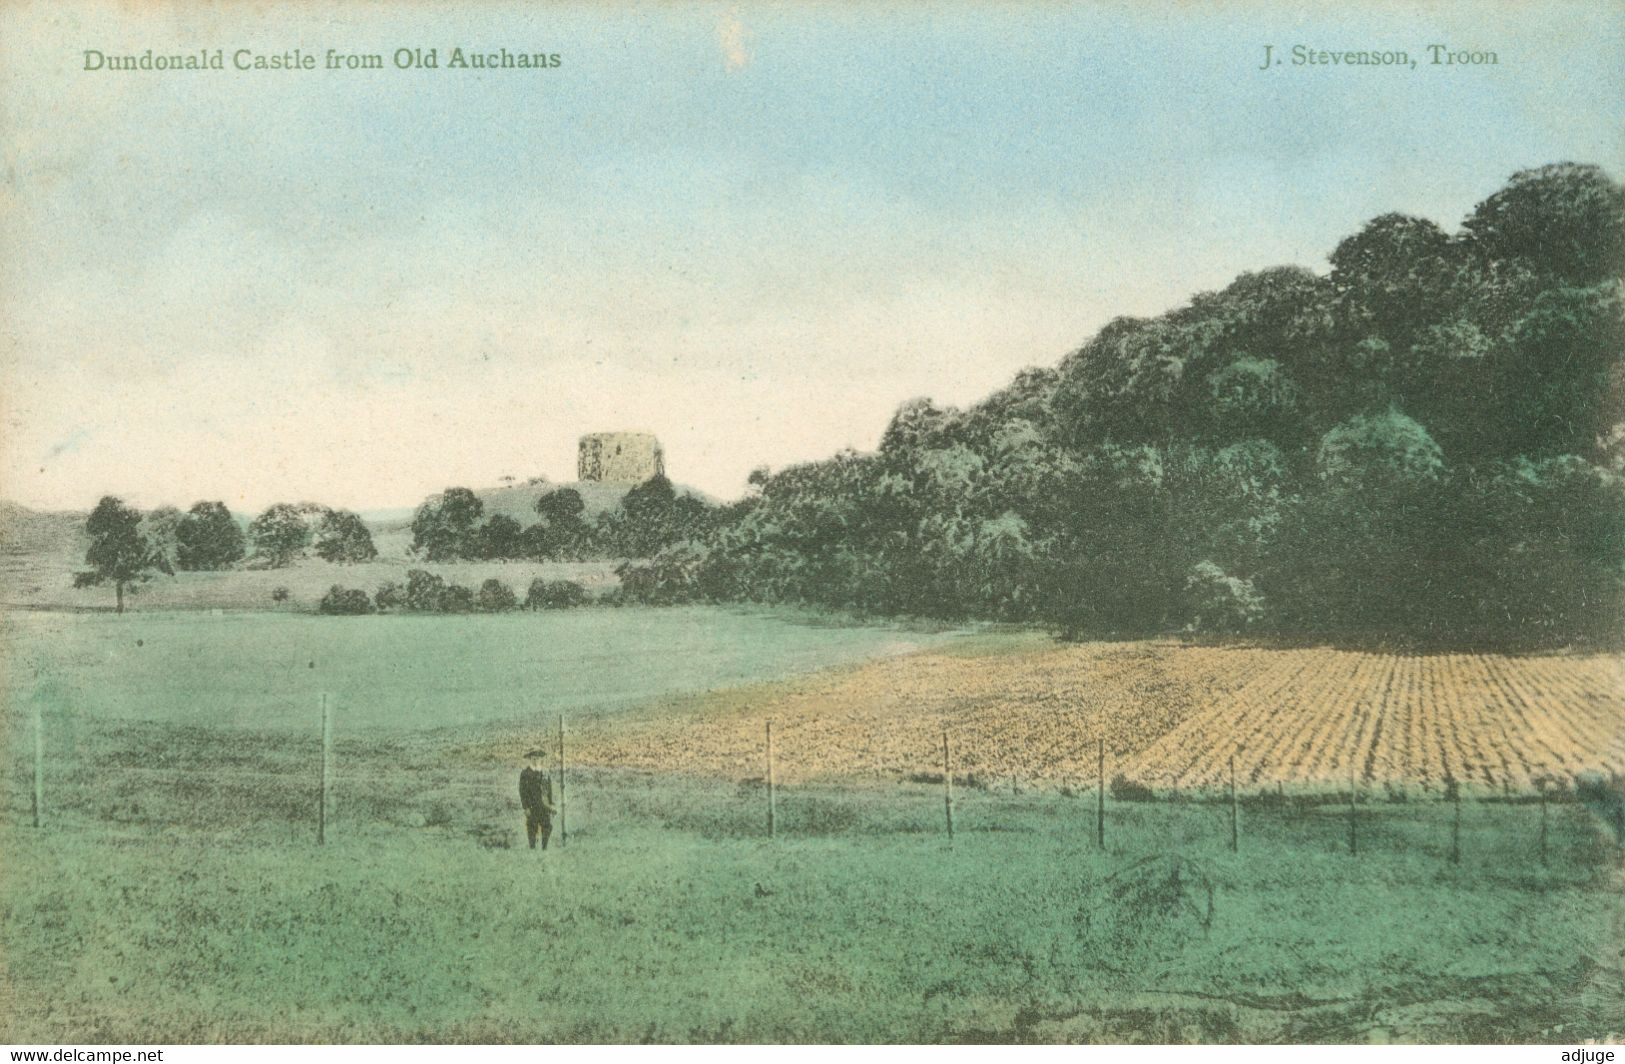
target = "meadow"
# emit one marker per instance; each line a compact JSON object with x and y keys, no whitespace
{"x":175,"y":891}
{"x":172,"y":904}
{"x":404,"y":670}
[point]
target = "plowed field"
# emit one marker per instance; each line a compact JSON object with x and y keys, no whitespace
{"x":1170,"y":715}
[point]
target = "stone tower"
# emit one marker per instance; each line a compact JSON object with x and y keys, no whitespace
{"x":620,"y":457}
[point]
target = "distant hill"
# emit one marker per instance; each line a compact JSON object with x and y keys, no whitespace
{"x":25,"y":531}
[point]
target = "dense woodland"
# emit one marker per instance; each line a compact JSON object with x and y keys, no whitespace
{"x":1422,"y":445}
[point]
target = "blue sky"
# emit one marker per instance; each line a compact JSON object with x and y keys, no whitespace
{"x":751,"y":229}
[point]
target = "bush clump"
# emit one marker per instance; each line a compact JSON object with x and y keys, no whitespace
{"x":424,"y":591}
{"x":346,"y":600}
{"x":389,"y":596}
{"x":554,"y":595}
{"x":495,"y":597}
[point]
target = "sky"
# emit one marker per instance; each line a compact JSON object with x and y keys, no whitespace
{"x":753,"y":229}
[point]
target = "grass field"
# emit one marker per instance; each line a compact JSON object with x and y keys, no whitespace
{"x":175,"y":892}
{"x":184,"y":905}
{"x":407,"y":671}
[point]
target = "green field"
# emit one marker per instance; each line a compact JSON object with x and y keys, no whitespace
{"x":408,"y":671}
{"x":175,"y":892}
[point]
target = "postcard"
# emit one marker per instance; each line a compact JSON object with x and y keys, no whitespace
{"x":954,"y":522}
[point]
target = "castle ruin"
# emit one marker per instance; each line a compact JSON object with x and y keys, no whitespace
{"x":620,"y":457}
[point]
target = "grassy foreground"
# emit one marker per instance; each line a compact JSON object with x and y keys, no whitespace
{"x":183,"y":899}
{"x":175,"y":892}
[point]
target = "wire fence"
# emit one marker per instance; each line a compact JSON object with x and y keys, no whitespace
{"x":131,"y":777}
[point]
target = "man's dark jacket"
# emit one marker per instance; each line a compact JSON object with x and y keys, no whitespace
{"x":535,"y":792}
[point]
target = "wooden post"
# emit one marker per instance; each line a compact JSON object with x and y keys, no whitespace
{"x":1354,"y":831}
{"x":327,"y":758}
{"x":1235,"y":809}
{"x":1455,"y":824}
{"x":1543,"y":825}
{"x":39,"y":765}
{"x":564,"y":835}
{"x":772,"y":808}
{"x":948,"y":788}
{"x":1100,"y":799}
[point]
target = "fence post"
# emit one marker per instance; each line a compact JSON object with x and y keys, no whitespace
{"x":39,"y":765}
{"x":1543,"y":824}
{"x":1100,"y":798}
{"x":564,"y":835}
{"x":1235,"y":808}
{"x":1455,"y":823}
{"x":1354,"y":831}
{"x":327,"y":757}
{"x":948,"y":788}
{"x":772,"y":809}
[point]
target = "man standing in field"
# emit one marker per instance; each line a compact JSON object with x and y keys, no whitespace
{"x":536,"y":795}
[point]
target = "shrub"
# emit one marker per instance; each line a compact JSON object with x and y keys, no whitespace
{"x":456,"y":599}
{"x":390,"y":596}
{"x":279,"y":594}
{"x":346,"y":600}
{"x":424,"y":591}
{"x":495,"y":597}
{"x":554,"y":594}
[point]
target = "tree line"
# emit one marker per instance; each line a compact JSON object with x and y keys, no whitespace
{"x":128,"y":548}
{"x":426,"y":592}
{"x":1422,"y":445}
{"x":649,"y":518}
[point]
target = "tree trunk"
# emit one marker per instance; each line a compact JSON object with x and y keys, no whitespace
{"x":118,"y":589}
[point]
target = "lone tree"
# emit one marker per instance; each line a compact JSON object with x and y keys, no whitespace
{"x":119,"y":553}
{"x":343,"y":537}
{"x":280,"y":533}
{"x":208,"y":538}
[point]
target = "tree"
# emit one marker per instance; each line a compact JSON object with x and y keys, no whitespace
{"x":280,"y":533}
{"x":1220,"y":603}
{"x":443,"y":529}
{"x":1567,"y":221}
{"x":1562,"y":379}
{"x":160,"y":527}
{"x":390,"y":595}
{"x":119,"y":553}
{"x":500,"y":537}
{"x":424,"y":591}
{"x":561,"y":504}
{"x":208,"y":538}
{"x":1253,"y":398}
{"x":561,"y":533}
{"x":495,"y":597}
{"x":343,"y":537}
{"x":651,"y":517}
{"x":1369,"y":449}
